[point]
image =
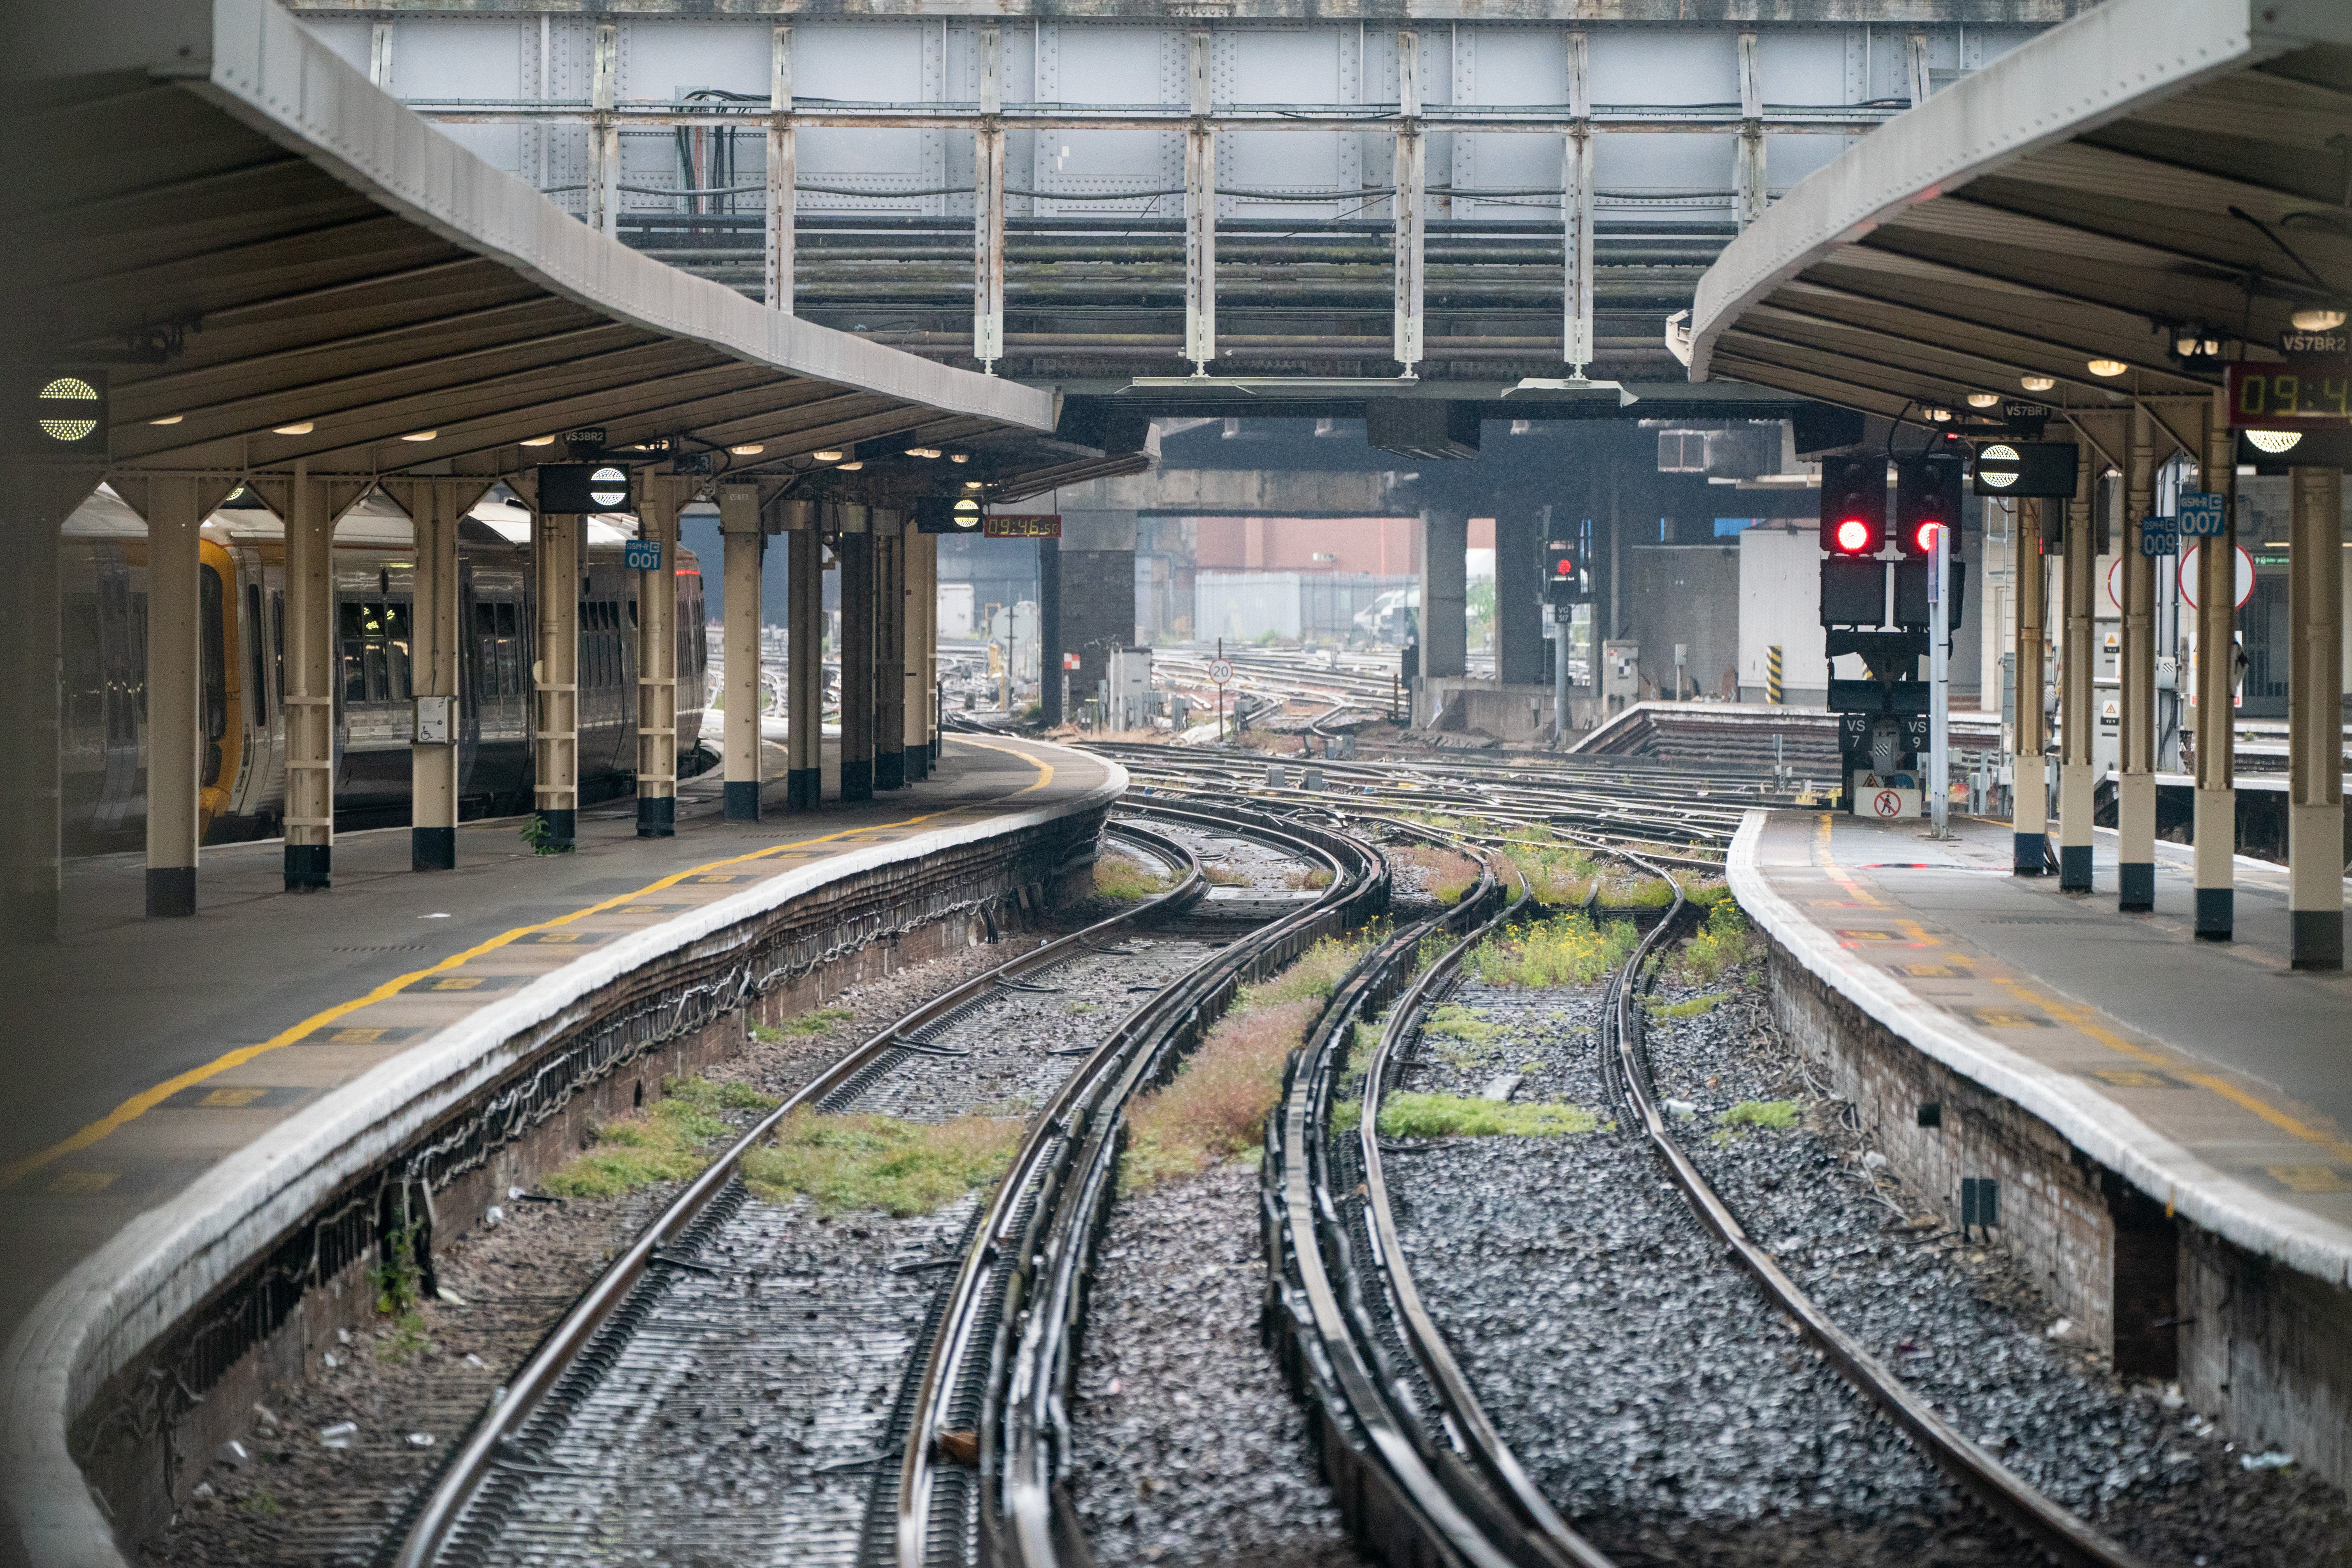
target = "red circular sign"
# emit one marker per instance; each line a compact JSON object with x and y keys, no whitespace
{"x":1887,"y":803}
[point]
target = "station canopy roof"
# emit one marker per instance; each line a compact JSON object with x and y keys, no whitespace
{"x":2151,"y":171}
{"x":273,"y":260}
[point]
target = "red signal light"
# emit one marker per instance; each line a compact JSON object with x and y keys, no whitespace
{"x":1853,"y":536}
{"x":1925,"y":537}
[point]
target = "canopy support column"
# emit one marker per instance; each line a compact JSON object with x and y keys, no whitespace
{"x":2029,"y":774}
{"x":744,"y":543}
{"x":2314,"y":840}
{"x":2215,"y":820}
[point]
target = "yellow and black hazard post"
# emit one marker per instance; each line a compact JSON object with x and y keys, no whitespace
{"x":1773,"y":691}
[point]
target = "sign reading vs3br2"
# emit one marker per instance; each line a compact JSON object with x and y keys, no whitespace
{"x":2311,"y":394}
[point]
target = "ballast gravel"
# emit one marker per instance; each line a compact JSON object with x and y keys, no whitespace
{"x":1962,"y":1320}
{"x":1673,"y":1417}
{"x":1188,"y":1449}
{"x":299,"y":1503}
{"x":1655,"y":1402}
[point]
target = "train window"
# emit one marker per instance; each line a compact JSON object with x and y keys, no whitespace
{"x":353,"y":640}
{"x":486,"y":650}
{"x":257,"y":637}
{"x":396,"y":646}
{"x":84,"y":653}
{"x":211,"y":605}
{"x":372,"y":624}
{"x":509,"y":651}
{"x":139,"y":649}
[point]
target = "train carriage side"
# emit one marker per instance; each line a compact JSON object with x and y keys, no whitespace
{"x":243,"y":637}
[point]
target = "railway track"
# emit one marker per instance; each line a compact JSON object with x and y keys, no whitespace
{"x":1422,"y":1472}
{"x":942,"y":1385}
{"x":735,"y":1376}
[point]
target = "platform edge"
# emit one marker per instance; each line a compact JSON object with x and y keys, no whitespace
{"x":90,"y":1323}
{"x":2157,"y":1166}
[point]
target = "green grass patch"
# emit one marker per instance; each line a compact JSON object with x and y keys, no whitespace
{"x":706,"y":1096}
{"x":1215,"y":1108}
{"x":1447,"y":875}
{"x":1722,"y":944}
{"x":801,"y":1027}
{"x":1225,"y":877}
{"x":1640,"y":893}
{"x":845,"y":1163}
{"x":1564,"y":950}
{"x":668,"y":1141}
{"x":261,"y":1505}
{"x":1461,"y":1024}
{"x":1116,"y":877}
{"x":1558,"y":875}
{"x":1690,"y":1009}
{"x":1405,"y":1115}
{"x":1778,"y":1115}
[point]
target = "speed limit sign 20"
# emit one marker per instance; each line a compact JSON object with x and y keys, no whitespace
{"x":1220,"y":671}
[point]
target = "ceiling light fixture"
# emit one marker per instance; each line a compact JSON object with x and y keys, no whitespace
{"x":2106,"y":367}
{"x":1983,"y":399}
{"x":828,"y":456}
{"x":168,"y":419}
{"x":420,"y":434}
{"x":959,"y":457}
{"x":539,"y":441}
{"x":1938,"y":416}
{"x":300,"y":427}
{"x":975,"y":484}
{"x":2317,"y":319}
{"x":2037,"y":382}
{"x":748,"y":450}
{"x":2274,"y":441}
{"x":922,"y":451}
{"x":849,"y":468}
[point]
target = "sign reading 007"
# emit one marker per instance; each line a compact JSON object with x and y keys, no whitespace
{"x":2305,"y":395}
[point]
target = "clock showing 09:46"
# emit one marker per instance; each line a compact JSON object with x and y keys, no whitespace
{"x":2305,"y":395}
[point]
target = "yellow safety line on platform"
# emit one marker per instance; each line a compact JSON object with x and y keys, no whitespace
{"x":140,"y":1104}
{"x":2081,"y":1018}
{"x":1836,"y":872}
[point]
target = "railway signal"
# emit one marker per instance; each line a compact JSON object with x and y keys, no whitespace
{"x":1927,"y":497}
{"x":1854,"y":505}
{"x":1562,"y":578}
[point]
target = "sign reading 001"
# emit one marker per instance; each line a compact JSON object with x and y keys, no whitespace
{"x":2305,"y":395}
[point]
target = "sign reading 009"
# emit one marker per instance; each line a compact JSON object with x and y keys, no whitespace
{"x":2304,"y":395}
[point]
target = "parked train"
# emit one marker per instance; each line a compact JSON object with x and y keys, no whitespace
{"x":242,"y":581}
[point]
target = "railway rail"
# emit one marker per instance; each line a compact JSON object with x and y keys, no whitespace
{"x":1419,"y":1470}
{"x":978,"y":1443}
{"x":698,"y":1286}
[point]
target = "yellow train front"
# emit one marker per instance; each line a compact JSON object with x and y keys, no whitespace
{"x":243,"y":582}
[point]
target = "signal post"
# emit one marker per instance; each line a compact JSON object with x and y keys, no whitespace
{"x":1884,"y":723}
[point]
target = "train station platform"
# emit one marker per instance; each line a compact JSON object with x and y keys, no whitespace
{"x":2210,"y":1073}
{"x":177,"y":1075}
{"x":2166,"y":1118}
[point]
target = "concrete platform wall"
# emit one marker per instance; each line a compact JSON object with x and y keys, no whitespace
{"x":2263,"y":1349}
{"x":154,"y":1352}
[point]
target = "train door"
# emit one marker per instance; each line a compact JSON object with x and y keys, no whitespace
{"x":122,"y":640}
{"x":2269,"y":638}
{"x":470,"y":684}
{"x":261,"y":636}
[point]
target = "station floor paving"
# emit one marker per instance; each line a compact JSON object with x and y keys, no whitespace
{"x":2221,"y":1047}
{"x":140,"y":1052}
